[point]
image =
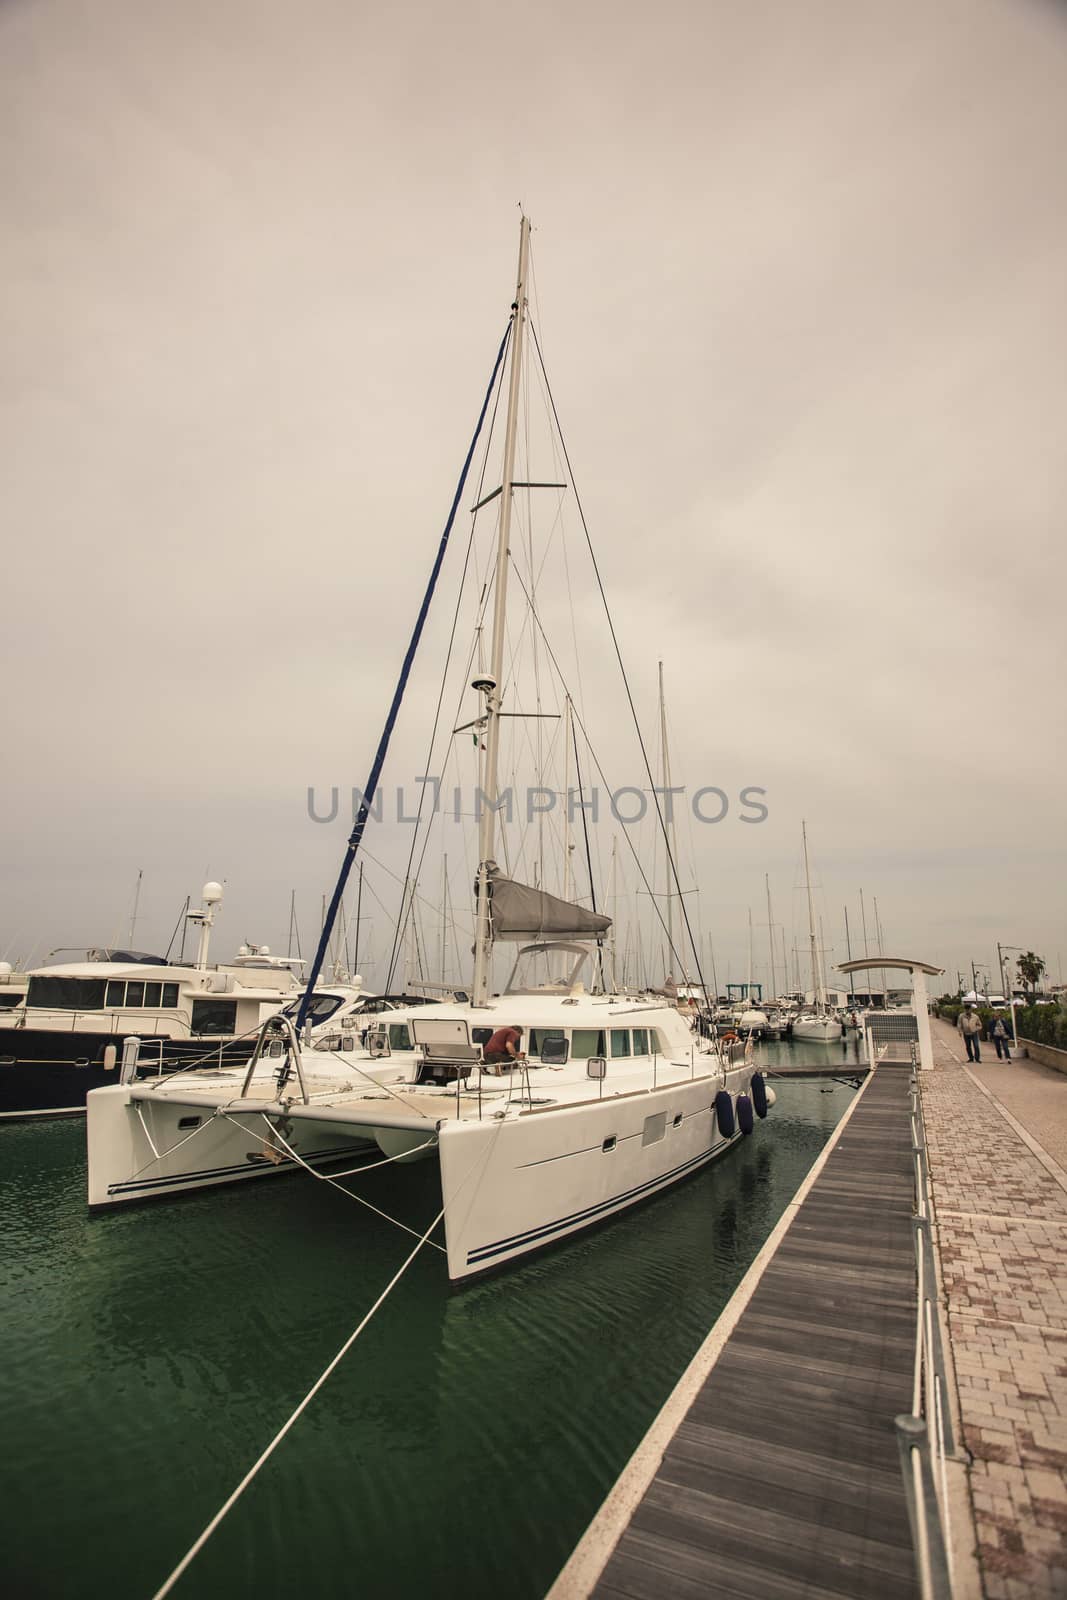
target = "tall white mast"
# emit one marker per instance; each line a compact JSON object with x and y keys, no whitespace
{"x":612,"y":947}
{"x":815,"y":982}
{"x":670,"y":836}
{"x":483,"y":943}
{"x":770,"y":935}
{"x":568,"y":842}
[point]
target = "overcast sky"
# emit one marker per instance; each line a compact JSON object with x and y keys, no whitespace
{"x":800,"y":279}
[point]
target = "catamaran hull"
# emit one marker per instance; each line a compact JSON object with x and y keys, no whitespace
{"x":142,"y":1148}
{"x":531,"y":1180}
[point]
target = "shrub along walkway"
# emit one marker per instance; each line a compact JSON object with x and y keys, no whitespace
{"x":1001,"y":1211}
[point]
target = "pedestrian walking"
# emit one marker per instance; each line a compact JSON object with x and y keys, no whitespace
{"x":969,"y":1023}
{"x":1001,"y":1037}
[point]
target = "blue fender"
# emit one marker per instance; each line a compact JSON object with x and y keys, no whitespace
{"x":724,"y":1114}
{"x":744,"y":1113}
{"x":759,"y":1094}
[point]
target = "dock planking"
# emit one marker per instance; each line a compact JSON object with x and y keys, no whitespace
{"x":783,"y":1479}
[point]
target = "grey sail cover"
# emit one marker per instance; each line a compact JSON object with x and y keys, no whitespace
{"x":524,"y":915}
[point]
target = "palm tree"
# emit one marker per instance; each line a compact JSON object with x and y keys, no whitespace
{"x":1030,"y":968}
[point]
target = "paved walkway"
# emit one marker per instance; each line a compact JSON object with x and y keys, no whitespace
{"x":1000,"y":1195}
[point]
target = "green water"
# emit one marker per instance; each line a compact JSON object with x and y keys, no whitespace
{"x":149,"y":1355}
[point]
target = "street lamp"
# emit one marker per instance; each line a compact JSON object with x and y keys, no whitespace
{"x":1007,"y":989}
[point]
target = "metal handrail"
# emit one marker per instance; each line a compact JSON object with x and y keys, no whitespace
{"x":925,"y":1436}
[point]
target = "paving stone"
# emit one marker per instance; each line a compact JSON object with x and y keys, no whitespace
{"x":1001,"y":1215}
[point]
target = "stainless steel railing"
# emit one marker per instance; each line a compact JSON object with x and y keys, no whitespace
{"x":926,"y":1437}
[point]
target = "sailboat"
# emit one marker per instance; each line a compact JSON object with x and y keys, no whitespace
{"x":606,"y":1099}
{"x":818,"y":1023}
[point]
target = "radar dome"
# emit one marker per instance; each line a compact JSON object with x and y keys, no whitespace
{"x":211,"y":893}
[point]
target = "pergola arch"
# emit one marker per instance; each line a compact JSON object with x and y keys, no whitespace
{"x":920,"y":971}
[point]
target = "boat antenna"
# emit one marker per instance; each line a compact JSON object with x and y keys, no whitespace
{"x":356,"y":836}
{"x":490,"y":683}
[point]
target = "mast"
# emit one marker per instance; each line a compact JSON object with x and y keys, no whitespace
{"x":614,"y":913}
{"x":848,"y":948}
{"x":748,"y":975}
{"x":881,"y":947}
{"x":669,"y":836}
{"x":483,"y":943}
{"x":815,"y":984}
{"x":136,"y":903}
{"x":444,"y":918}
{"x":568,"y":843}
{"x":770,"y":936}
{"x":359,"y":919}
{"x":866,"y":952}
{"x":714,"y":974}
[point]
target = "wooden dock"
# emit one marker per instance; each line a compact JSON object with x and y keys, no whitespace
{"x":783,"y":1478}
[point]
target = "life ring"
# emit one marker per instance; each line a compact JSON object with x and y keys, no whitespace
{"x":730,"y":1037}
{"x":724,"y":1114}
{"x":759,"y":1094}
{"x":744,"y":1114}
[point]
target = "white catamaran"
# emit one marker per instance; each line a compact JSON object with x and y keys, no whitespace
{"x":612,"y":1098}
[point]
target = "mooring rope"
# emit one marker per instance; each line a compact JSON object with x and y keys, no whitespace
{"x":195,"y":1549}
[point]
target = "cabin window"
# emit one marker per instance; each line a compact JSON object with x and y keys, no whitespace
{"x":586,"y":1042}
{"x":120,"y":993}
{"x":9,"y":999}
{"x":322,"y":1007}
{"x":655,"y":1042}
{"x":550,"y":1036}
{"x":399,"y":1037}
{"x":620,"y":1043}
{"x":213,"y":1016}
{"x":640,"y":1041}
{"x":67,"y":994}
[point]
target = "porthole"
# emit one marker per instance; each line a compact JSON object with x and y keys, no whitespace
{"x":609,"y":1144}
{"x":188,"y":1122}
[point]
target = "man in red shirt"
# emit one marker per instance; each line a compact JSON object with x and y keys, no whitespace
{"x":503,"y":1047}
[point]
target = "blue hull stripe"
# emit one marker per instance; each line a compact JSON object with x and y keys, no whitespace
{"x":244,"y":1169}
{"x":486,"y":1251}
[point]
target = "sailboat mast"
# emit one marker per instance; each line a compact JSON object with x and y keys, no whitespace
{"x":136,"y":903}
{"x":568,"y":844}
{"x":816,"y":986}
{"x":670,"y":837}
{"x":483,"y":944}
{"x":770,"y":936}
{"x":866,"y":951}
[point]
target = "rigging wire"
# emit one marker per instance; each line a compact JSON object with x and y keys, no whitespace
{"x":622,"y":665}
{"x":410,"y":878}
{"x":356,"y":836}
